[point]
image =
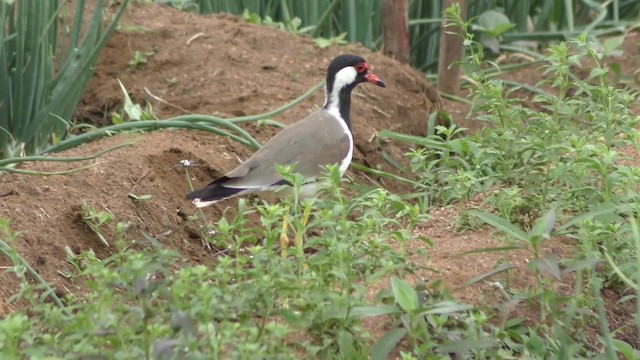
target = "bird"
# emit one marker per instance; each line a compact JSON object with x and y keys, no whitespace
{"x":323,"y":138}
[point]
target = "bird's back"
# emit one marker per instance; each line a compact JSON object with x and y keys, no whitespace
{"x":317,"y":140}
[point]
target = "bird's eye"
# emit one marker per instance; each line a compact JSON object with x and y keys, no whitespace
{"x":360,"y":67}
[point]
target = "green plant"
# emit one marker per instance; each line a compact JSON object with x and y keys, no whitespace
{"x":131,"y":111}
{"x":447,"y":164}
{"x":323,"y":43}
{"x":44,"y":68}
{"x":291,"y":26}
{"x":563,"y":154}
{"x":78,"y":261}
{"x":95,"y":220}
{"x":140,"y":58}
{"x":20,"y":267}
{"x":260,"y":297}
{"x":556,"y":311}
{"x":432,"y":325}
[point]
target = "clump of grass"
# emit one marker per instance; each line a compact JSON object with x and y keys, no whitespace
{"x":95,"y":220}
{"x":44,"y":70}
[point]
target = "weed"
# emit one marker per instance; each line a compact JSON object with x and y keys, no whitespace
{"x":140,"y":58}
{"x":95,"y":220}
{"x":324,"y":43}
{"x":550,"y":171}
{"x":251,"y":301}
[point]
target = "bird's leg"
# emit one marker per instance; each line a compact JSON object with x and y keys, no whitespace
{"x":284,"y":239}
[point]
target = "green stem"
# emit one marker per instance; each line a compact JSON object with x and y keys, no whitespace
{"x":607,"y":340}
{"x":216,"y":121}
{"x":144,"y":125}
{"x":6,"y":162}
{"x":45,"y":173}
{"x":7,"y":251}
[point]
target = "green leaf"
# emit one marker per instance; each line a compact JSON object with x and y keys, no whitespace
{"x":501,"y":224}
{"x":292,"y":318}
{"x":494,"y":23}
{"x":446,"y":307}
{"x":324,"y":43}
{"x":133,"y":111}
{"x":502,"y":28}
{"x":345,"y":344}
{"x":536,"y":344}
{"x":596,"y":72}
{"x":605,"y":208}
{"x":549,"y":263}
{"x":545,"y":224}
{"x":404,"y":294}
{"x":463,"y":146}
{"x":251,"y":18}
{"x":612,"y":46}
{"x":383,"y":347}
{"x":371,"y":311}
{"x":625,"y":349}
{"x":615,"y":68}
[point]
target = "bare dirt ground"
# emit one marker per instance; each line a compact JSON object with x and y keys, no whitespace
{"x":220,"y":65}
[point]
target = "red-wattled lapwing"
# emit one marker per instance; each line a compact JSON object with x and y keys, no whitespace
{"x":322,"y":138}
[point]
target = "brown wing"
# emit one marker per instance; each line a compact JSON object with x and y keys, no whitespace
{"x":316,"y":141}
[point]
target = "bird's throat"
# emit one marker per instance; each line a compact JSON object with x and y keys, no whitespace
{"x":344,"y":105}
{"x":340,"y":100}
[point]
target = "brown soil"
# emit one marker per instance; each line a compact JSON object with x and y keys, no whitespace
{"x":220,"y":65}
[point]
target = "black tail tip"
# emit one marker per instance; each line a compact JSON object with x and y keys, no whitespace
{"x":213,"y":193}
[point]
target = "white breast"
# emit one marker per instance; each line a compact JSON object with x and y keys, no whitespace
{"x":344,"y":164}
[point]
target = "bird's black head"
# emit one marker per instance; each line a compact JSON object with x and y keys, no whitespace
{"x":343,"y":74}
{"x":348,"y":71}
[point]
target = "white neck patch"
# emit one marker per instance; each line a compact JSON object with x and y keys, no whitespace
{"x":343,"y":78}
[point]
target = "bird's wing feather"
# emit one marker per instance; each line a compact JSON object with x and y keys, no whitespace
{"x":316,"y":141}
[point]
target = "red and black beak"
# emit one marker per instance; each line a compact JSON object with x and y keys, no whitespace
{"x":374,"y":80}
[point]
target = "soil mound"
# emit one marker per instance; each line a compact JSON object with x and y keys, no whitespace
{"x":199,"y":64}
